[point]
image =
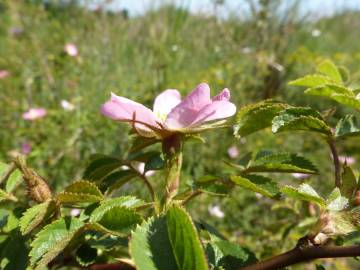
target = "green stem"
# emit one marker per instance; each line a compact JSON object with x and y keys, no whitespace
{"x":172,"y":149}
{"x":337,"y":165}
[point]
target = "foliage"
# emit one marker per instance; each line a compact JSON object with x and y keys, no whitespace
{"x":143,"y":203}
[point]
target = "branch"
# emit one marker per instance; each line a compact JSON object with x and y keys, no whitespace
{"x":146,"y":182}
{"x":337,"y":166}
{"x":191,"y":196}
{"x":302,"y":254}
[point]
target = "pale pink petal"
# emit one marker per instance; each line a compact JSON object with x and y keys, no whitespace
{"x":126,"y":110}
{"x":185,"y":112}
{"x":34,"y":113}
{"x":214,"y":111}
{"x":223,"y":95}
{"x":165,"y":102}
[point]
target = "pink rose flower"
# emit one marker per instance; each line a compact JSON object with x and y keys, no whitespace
{"x":71,"y":49}
{"x":34,"y":113}
{"x":170,"y":114}
{"x":4,"y":74}
{"x":233,"y":152}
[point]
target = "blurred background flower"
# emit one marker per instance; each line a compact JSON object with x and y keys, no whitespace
{"x":66,"y":105}
{"x":26,"y":148}
{"x":4,"y":74}
{"x":34,"y":114}
{"x":71,"y":49}
{"x":216,"y":211}
{"x":233,"y":152}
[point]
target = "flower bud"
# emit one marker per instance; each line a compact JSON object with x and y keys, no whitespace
{"x":37,"y":188}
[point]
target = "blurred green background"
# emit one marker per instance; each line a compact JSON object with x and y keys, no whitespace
{"x":254,"y":55}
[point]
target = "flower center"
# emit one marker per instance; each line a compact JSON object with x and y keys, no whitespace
{"x":161,"y":116}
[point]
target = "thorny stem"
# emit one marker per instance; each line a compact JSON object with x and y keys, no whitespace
{"x":302,"y":254}
{"x":331,"y":143}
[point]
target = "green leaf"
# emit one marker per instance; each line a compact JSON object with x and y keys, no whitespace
{"x":345,"y":74}
{"x":139,"y":143}
{"x":282,"y":162}
{"x":328,"y":68}
{"x":14,"y":253}
{"x":117,"y":220}
{"x":150,"y":246}
{"x":211,"y":184}
{"x":347,"y":126}
{"x":4,"y":196}
{"x":338,"y":204}
{"x":116,"y":180}
{"x":305,"y":119}
{"x":312,"y":81}
{"x":13,"y":181}
{"x":185,"y":242}
{"x":126,"y":201}
{"x":35,"y":215}
{"x":100,"y":166}
{"x":352,"y":102}
{"x":86,"y":255}
{"x":305,"y":193}
{"x":81,"y":192}
{"x":349,"y":183}
{"x":334,"y":194}
{"x":257,"y":183}
{"x":227,"y":255}
{"x":328,"y":90}
{"x":155,"y":162}
{"x":3,"y":168}
{"x":52,"y":240}
{"x":320,"y":267}
{"x":253,"y":118}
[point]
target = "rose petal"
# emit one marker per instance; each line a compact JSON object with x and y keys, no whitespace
{"x":165,"y":102}
{"x":126,"y":110}
{"x":223,"y":95}
{"x":186,"y":111}
{"x":214,"y":111}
